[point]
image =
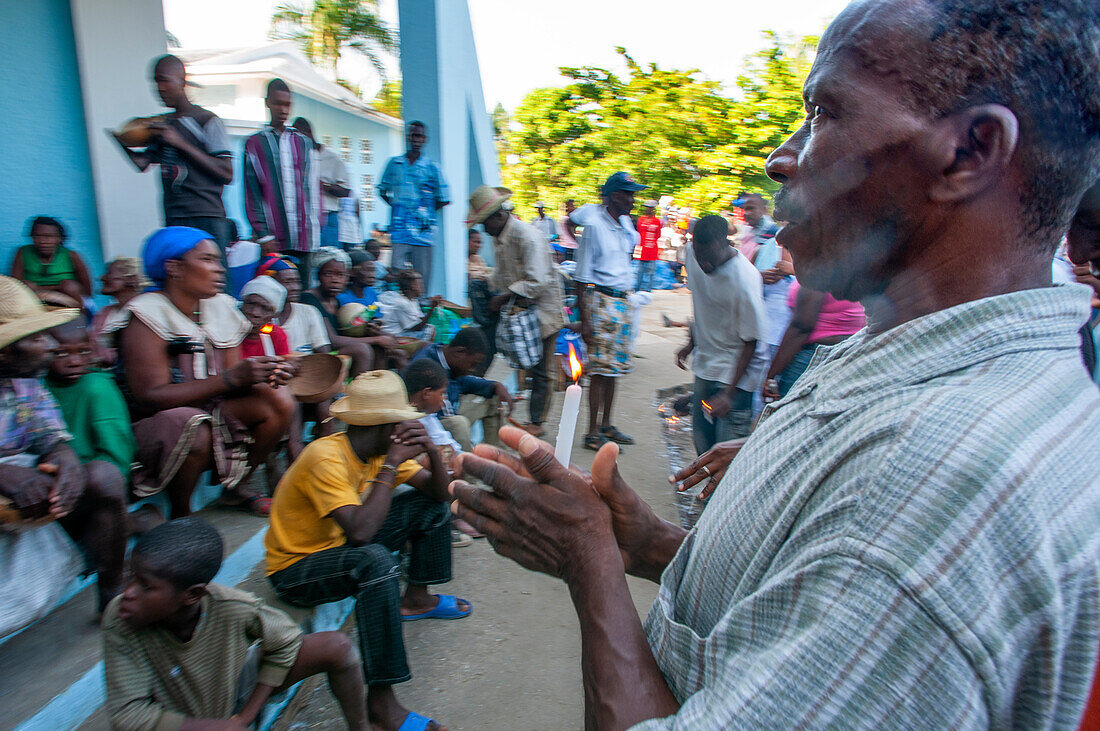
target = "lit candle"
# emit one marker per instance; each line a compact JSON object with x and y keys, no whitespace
{"x":265,"y":339}
{"x":567,"y":428}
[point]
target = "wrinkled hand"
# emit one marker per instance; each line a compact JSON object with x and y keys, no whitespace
{"x":409,"y":439}
{"x":284,"y":371}
{"x":28,"y":489}
{"x":68,"y":485}
{"x":507,"y":402}
{"x":710,"y":467}
{"x":251,"y":371}
{"x":682,"y":355}
{"x":538,"y":513}
{"x":719,"y":404}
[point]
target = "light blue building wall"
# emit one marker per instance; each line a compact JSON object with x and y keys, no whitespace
{"x":44,"y":146}
{"x":365,"y":165}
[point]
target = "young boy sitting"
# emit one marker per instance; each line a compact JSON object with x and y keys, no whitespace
{"x":178,"y":648}
{"x":261,"y":300}
{"x":426,"y":382}
{"x":401,"y":311}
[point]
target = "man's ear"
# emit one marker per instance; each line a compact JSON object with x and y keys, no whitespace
{"x":972,"y":151}
{"x":193,"y":594}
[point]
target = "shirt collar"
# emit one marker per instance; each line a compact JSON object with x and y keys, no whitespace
{"x":855,"y":372}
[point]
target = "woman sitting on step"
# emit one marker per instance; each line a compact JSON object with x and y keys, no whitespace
{"x":197,"y":404}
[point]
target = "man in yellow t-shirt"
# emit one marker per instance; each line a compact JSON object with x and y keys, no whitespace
{"x":337,"y":521}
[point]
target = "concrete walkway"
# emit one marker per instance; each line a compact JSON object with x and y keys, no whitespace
{"x":515,"y":662}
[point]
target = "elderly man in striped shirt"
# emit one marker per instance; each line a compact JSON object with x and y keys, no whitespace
{"x":909,"y":539}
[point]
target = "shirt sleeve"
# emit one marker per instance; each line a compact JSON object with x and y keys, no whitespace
{"x":329,"y":488}
{"x":253,"y":193}
{"x":385,"y":183}
{"x":583,"y":271}
{"x":477,"y":386}
{"x":318,"y":333}
{"x":537,"y":271}
{"x":752,"y":318}
{"x":342,"y":177}
{"x":406,"y":471}
{"x":835,"y":643}
{"x":217,"y":140}
{"x":280,"y":639}
{"x":47,"y":424}
{"x":113,"y":434}
{"x":129,"y":679}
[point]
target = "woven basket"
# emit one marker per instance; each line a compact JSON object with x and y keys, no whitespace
{"x":320,"y":376}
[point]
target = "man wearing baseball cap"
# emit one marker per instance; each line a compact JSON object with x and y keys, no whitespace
{"x":338,"y":516}
{"x":524,"y":274}
{"x":546,"y":225}
{"x":603,"y":280}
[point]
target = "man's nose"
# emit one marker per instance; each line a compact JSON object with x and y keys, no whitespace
{"x":782,"y":164}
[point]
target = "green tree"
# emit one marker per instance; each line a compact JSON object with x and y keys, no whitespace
{"x":678,"y":133}
{"x":325,"y":29}
{"x":388,"y":99}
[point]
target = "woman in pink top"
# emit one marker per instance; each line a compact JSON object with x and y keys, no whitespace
{"x":819,"y":319}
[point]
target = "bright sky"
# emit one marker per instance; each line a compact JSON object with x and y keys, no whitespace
{"x":520,"y":49}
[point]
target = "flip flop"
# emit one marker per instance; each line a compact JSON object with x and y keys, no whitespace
{"x":446,"y":609}
{"x":613,"y":433}
{"x":415,"y":722}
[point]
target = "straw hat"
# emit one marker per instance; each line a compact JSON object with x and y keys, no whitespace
{"x":319,"y":377}
{"x":484,"y":202}
{"x":376,"y":397}
{"x":21,"y":313}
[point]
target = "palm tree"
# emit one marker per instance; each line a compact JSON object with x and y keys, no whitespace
{"x":328,"y":27}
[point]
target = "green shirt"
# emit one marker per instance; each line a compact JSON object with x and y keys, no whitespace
{"x":97,"y":418}
{"x":59,"y":269}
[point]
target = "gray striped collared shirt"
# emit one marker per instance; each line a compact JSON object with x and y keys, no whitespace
{"x":909,"y":539}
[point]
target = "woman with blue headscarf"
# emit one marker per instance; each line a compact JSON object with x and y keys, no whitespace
{"x":197,"y":404}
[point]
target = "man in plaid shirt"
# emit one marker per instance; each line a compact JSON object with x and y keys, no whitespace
{"x":909,"y":538}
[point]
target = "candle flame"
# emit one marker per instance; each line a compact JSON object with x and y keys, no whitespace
{"x":575,"y":368}
{"x":267,"y":329}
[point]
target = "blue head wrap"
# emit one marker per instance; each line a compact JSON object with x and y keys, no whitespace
{"x":170,"y":242}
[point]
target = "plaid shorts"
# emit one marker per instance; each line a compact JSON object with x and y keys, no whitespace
{"x":610,"y":317}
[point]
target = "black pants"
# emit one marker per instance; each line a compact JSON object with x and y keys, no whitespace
{"x":216,"y":226}
{"x":541,"y":375}
{"x":371,"y":574}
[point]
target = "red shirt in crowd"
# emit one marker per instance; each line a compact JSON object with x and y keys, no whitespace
{"x":253,"y":347}
{"x":650,"y":229}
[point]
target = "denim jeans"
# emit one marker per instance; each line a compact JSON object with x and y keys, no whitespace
{"x":735,"y":424}
{"x":371,"y":574}
{"x":330,"y":229}
{"x":796,"y":368}
{"x":647,"y":272}
{"x":418,"y":257}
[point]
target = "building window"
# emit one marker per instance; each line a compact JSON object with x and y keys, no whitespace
{"x":345,"y":149}
{"x":366,"y":154}
{"x":327,"y":141}
{"x":366,"y":193}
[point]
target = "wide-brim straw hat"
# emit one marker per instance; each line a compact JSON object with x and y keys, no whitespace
{"x":484,"y":202}
{"x":22,"y":314}
{"x":373,"y":398}
{"x":319,"y":377}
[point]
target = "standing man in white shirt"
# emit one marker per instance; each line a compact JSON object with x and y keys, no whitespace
{"x":330,"y":183}
{"x":547,"y":226}
{"x":603,"y":279}
{"x":727,"y":340}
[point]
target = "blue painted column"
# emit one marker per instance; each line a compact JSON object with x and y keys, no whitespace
{"x":441,"y":86}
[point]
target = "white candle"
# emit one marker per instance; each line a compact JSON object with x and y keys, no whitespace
{"x":567,"y":427}
{"x":269,"y":347}
{"x":563,"y":450}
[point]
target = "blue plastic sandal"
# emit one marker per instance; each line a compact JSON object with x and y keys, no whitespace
{"x":446,"y":609}
{"x":414,"y":722}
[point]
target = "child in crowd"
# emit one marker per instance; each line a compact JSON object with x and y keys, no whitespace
{"x":93,"y":407}
{"x":261,"y":300}
{"x":426,"y":383}
{"x":361,"y":280}
{"x":178,"y":649}
{"x":401,"y":311}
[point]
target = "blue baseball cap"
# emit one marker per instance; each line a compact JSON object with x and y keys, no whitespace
{"x":621,"y":181}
